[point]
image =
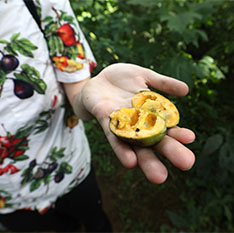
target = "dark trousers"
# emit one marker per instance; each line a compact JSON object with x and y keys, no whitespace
{"x":82,"y":205}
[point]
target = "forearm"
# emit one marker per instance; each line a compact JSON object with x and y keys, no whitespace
{"x":74,"y":94}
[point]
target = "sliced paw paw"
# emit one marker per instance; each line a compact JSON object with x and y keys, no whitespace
{"x":137,"y":126}
{"x":154,"y":102}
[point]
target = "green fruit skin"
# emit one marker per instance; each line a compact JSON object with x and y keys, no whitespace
{"x":145,"y":142}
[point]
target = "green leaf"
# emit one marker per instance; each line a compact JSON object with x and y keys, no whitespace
{"x":178,"y":22}
{"x":46,"y":179}
{"x":11,"y":50}
{"x":22,"y":49}
{"x":35,"y":185}
{"x":176,"y":219}
{"x":68,"y":18}
{"x":47,"y":19}
{"x":27,"y":44}
{"x":181,"y":68}
{"x":30,"y":70}
{"x":58,"y":44}
{"x":21,"y":158}
{"x":3,"y":42}
{"x":23,"y":132}
{"x":2,"y":77}
{"x":14,"y":37}
{"x":65,"y":167}
{"x":71,"y":52}
{"x":3,"y":191}
{"x":42,"y":122}
{"x":57,"y":154}
{"x":190,"y":36}
{"x":52,"y":45}
{"x":8,"y":198}
{"x":226,"y":157}
{"x":44,"y":113}
{"x":145,"y":3}
{"x":62,"y":15}
{"x":41,"y":86}
{"x":202,"y":34}
{"x":30,"y":75}
{"x":26,"y":172}
{"x":22,"y":147}
{"x":51,"y":28}
{"x":28,"y":175}
{"x":212,"y":144}
{"x":40,"y":129}
{"x":228,"y":212}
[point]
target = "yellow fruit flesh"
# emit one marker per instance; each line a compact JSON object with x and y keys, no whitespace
{"x":136,"y":123}
{"x":157,"y":103}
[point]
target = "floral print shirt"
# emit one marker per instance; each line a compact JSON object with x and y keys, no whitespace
{"x":44,"y":152}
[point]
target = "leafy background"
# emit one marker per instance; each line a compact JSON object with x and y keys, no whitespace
{"x":191,"y":41}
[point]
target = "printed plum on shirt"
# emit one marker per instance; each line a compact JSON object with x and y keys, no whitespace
{"x":26,"y":78}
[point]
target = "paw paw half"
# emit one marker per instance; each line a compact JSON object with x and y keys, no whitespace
{"x":147,"y":121}
{"x":137,"y":126}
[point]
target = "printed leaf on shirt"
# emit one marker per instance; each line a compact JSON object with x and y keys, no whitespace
{"x":56,"y":45}
{"x":42,"y":125}
{"x":56,"y":153}
{"x":21,"y":158}
{"x":10,"y":49}
{"x":44,"y":120}
{"x":65,"y":167}
{"x":48,"y":19}
{"x":46,"y":179}
{"x":21,"y":45}
{"x":67,"y":18}
{"x":35,"y":184}
{"x":30,"y":75}
{"x":23,"y":132}
{"x":2,"y":80}
{"x":27,"y":175}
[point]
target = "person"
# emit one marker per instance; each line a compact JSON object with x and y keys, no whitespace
{"x":46,"y":177}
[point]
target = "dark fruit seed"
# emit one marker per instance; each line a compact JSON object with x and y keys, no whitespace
{"x":52,"y":167}
{"x":22,"y":89}
{"x":33,"y":163}
{"x":59,"y":177}
{"x":9,"y":63}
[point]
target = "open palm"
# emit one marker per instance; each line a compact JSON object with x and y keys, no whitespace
{"x":114,"y":88}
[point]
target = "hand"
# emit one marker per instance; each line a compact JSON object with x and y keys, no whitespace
{"x":114,"y":88}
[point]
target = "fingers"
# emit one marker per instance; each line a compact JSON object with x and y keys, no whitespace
{"x":182,"y":135}
{"x":176,"y":152}
{"x":172,"y":149}
{"x":166,"y":84}
{"x":152,"y":167}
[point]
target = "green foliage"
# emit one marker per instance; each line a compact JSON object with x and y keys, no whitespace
{"x":191,"y":41}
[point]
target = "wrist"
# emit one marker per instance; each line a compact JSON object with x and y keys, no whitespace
{"x":79,"y":107}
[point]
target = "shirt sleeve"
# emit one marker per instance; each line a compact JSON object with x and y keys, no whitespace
{"x":69,"y":50}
